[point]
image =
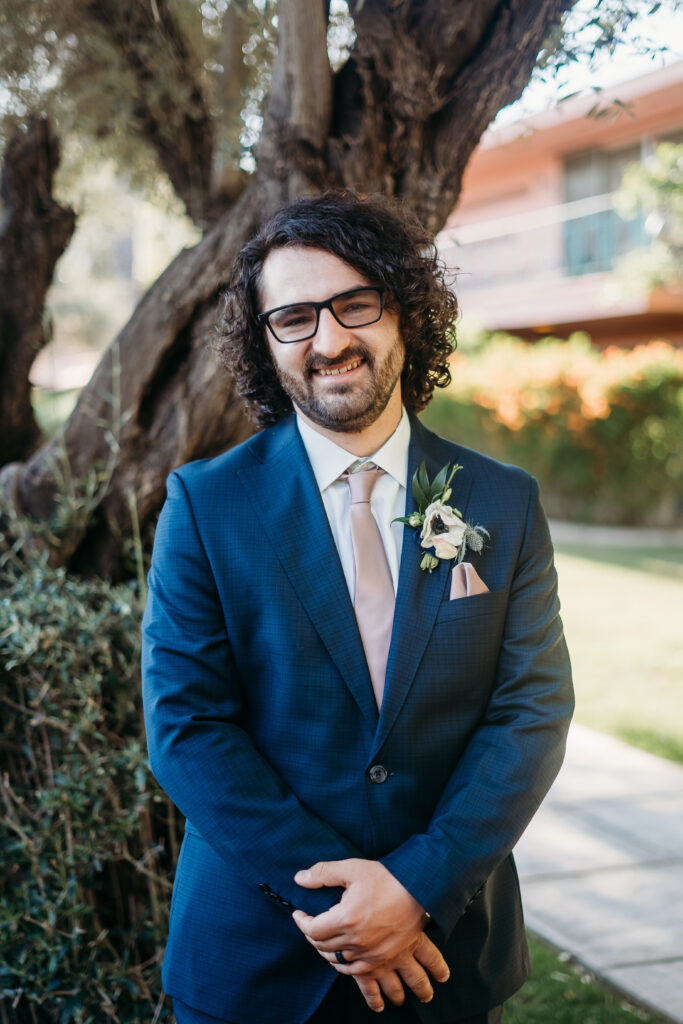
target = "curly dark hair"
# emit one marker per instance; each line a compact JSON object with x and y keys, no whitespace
{"x":385,"y":244}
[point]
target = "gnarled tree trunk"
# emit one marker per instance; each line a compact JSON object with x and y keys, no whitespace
{"x":402,"y":117}
{"x":34,"y":233}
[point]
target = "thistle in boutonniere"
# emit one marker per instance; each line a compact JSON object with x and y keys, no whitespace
{"x":442,"y":527}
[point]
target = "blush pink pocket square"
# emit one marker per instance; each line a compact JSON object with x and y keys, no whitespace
{"x":466,"y":582}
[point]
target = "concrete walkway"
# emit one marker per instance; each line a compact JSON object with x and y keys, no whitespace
{"x":601,"y":867}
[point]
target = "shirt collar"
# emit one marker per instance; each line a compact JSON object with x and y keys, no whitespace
{"x":329,"y":460}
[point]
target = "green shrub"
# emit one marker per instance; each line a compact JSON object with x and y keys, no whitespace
{"x":89,"y":841}
{"x":602,"y":431}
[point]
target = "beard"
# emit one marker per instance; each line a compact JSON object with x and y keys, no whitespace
{"x":345,"y":407}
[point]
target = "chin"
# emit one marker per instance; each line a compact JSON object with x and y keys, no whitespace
{"x":345,"y":420}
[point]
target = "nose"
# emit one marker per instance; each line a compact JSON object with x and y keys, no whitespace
{"x":331,"y":338}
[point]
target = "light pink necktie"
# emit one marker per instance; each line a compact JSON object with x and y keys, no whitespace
{"x":374,"y":598}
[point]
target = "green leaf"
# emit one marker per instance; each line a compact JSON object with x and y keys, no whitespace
{"x":439,"y":482}
{"x":423,"y":479}
{"x":421,"y":499}
{"x":419,"y":495}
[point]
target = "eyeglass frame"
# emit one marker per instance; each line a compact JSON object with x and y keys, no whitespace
{"x":264,"y":318}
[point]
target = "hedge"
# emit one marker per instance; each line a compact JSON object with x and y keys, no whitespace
{"x":89,"y":841}
{"x":601,"y":430}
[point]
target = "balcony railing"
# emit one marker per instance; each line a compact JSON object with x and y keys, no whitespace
{"x":566,"y":240}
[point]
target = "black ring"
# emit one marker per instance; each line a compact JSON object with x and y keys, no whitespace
{"x":341,"y":959}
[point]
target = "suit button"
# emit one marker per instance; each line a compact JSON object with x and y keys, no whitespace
{"x":378,"y":773}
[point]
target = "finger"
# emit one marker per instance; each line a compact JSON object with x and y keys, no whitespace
{"x":371,"y":993}
{"x":331,"y":955}
{"x":326,"y":927}
{"x":304,"y":923}
{"x":301,"y":919}
{"x":352,"y":967}
{"x":332,"y":872}
{"x":392,"y":986}
{"x":350,"y":954}
{"x":431,"y":958}
{"x":415,"y":977}
{"x":340,"y":941}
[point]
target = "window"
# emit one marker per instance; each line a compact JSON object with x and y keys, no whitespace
{"x":593,"y":242}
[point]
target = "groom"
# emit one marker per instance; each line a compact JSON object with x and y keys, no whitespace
{"x":356,"y":689}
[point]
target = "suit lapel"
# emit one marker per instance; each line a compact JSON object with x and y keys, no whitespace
{"x":285,"y":498}
{"x":419,"y":593}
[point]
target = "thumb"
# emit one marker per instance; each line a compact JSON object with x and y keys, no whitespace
{"x":332,"y":872}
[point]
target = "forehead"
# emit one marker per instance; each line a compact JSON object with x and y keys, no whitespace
{"x":304,"y":274}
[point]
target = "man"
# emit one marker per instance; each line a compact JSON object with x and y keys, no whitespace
{"x":357,"y":721}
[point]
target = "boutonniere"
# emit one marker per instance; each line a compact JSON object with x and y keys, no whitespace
{"x":441,"y":526}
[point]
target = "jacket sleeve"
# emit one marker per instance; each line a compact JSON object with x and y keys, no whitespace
{"x":515,"y":753}
{"x":198,"y":751}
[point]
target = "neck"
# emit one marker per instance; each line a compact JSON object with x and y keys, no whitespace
{"x":368,"y":440}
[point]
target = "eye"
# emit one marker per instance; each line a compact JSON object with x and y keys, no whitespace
{"x":294,"y":319}
{"x":358,"y":307}
{"x":293,"y":316}
{"x":357,"y":304}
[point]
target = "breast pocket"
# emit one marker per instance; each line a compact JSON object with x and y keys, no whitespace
{"x":462,"y":654}
{"x":492,"y":603}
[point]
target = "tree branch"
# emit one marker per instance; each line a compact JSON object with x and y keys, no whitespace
{"x":34,"y":233}
{"x":426,"y":80}
{"x":151,"y":408}
{"x":152,"y":45}
{"x":490,"y":80}
{"x":227,"y":179}
{"x":299,"y":107}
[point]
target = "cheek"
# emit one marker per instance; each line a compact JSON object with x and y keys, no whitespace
{"x":397,"y":348}
{"x":290,"y":365}
{"x":280,"y":355}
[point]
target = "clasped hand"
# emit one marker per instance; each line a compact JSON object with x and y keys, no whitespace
{"x":378,"y":926}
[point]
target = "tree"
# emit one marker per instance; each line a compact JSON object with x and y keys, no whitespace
{"x":654,"y":190}
{"x":401,"y":115}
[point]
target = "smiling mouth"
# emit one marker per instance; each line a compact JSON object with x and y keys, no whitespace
{"x":336,"y":371}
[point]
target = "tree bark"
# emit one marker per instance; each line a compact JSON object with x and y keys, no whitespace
{"x":403,"y":116}
{"x":35,"y":231}
{"x":228,"y":180}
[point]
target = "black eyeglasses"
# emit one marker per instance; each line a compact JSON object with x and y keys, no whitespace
{"x":298,"y":322}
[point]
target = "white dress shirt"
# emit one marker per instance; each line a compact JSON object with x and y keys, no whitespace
{"x":388,"y":497}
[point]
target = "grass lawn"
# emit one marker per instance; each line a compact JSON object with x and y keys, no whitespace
{"x":623,"y":615}
{"x":562,"y":992}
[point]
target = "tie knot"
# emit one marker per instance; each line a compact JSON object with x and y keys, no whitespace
{"x":361,"y":483}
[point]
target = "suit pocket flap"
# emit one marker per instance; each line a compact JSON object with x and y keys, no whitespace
{"x":479,"y":604}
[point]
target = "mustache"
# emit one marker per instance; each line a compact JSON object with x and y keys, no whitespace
{"x":315,"y":361}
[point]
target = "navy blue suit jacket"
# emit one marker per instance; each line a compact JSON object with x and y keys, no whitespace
{"x":262,"y":725}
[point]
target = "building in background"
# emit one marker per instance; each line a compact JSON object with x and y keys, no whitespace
{"x":535,"y":238}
